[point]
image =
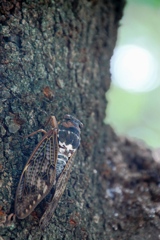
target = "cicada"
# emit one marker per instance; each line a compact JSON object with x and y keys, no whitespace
{"x":48,"y":167}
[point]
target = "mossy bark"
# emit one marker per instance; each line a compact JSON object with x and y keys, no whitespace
{"x":55,"y":58}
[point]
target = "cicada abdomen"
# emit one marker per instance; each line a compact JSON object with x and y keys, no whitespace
{"x":49,"y":165}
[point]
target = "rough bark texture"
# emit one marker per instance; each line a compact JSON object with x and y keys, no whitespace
{"x":55,"y":60}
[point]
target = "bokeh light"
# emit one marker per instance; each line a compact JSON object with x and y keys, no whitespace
{"x":133,"y":68}
{"x":134,"y":96}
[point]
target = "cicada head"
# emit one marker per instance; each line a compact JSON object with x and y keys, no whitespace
{"x":70,"y":120}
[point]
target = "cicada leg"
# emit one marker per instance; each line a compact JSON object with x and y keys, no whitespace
{"x":52,"y":120}
{"x":33,"y":133}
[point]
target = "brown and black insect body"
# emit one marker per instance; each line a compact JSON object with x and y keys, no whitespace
{"x":48,"y":166}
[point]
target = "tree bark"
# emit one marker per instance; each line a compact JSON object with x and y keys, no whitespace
{"x":55,"y":58}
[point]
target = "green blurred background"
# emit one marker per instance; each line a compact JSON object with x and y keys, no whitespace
{"x":135,"y":112}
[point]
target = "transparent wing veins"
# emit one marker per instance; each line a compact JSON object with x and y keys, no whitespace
{"x":59,"y":189}
{"x":38,"y":176}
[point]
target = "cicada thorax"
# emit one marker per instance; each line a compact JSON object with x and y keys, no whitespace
{"x":69,"y":141}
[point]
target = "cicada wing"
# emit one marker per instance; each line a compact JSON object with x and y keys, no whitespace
{"x":59,"y":189}
{"x":38,"y":176}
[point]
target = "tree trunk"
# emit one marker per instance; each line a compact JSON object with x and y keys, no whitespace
{"x":55,"y":58}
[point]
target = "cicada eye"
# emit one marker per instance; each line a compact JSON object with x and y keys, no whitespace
{"x":74,"y":120}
